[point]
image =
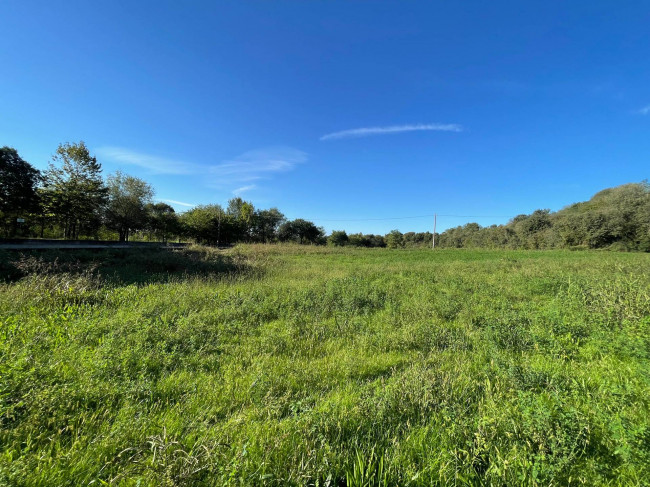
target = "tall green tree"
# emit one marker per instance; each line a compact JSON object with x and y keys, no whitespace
{"x":128,"y":198}
{"x":210,"y":224}
{"x":18,"y":183}
{"x":162,"y":220}
{"x":265,"y":224}
{"x":74,"y":193}
{"x":242,"y":214}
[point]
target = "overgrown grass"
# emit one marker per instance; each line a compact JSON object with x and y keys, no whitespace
{"x":270,"y":365}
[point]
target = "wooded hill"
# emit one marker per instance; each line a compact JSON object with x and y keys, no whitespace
{"x":616,"y":218}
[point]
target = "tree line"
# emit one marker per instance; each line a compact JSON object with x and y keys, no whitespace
{"x":616,"y":218}
{"x":71,"y":199}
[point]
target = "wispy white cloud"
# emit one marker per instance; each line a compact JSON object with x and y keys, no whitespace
{"x":245,"y":168}
{"x":645,"y":110}
{"x":155,"y":164}
{"x":181,"y":203}
{"x":243,"y":189}
{"x":392,"y":129}
{"x":257,"y":164}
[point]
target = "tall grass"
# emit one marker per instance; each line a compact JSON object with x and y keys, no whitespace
{"x":287,"y":365}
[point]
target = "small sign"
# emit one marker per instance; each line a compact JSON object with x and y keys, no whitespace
{"x":20,"y":220}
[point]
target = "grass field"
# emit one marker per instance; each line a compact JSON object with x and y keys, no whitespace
{"x":270,"y":365}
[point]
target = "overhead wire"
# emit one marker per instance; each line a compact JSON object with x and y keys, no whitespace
{"x":406,"y":217}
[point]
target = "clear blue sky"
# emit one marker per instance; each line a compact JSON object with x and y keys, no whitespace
{"x":338,"y":110}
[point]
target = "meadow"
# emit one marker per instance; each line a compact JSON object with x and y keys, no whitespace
{"x":300,"y":365}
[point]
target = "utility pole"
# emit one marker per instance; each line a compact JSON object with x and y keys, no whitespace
{"x":219,"y":229}
{"x":433,"y":240}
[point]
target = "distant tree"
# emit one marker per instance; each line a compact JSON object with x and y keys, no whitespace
{"x":519,"y":218}
{"x":234,"y":207}
{"x":601,"y":230}
{"x":409,"y":239}
{"x":338,"y":238}
{"x":242,"y":215}
{"x":395,"y":239}
{"x":265,"y":224}
{"x":420,"y":239}
{"x":359,"y":240}
{"x":18,"y":183}
{"x":128,"y":198}
{"x":301,"y":231}
{"x":571,"y":230}
{"x":74,"y":193}
{"x":531,"y":228}
{"x":162,"y":220}
{"x":288,"y":231}
{"x":376,"y":240}
{"x":203,"y":223}
{"x":451,"y":238}
{"x":211,"y":225}
{"x":538,"y":221}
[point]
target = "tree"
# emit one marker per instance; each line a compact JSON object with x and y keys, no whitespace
{"x":302,"y":231}
{"x":128,"y":198}
{"x":420,"y":239}
{"x":242,"y":214}
{"x":395,"y":239}
{"x":376,"y":240}
{"x":266,"y":223}
{"x":162,"y":220}
{"x":202,"y":223}
{"x":338,"y":238}
{"x":288,"y":231}
{"x":74,"y":193}
{"x":359,"y":240}
{"x":210,"y":225}
{"x":18,"y":182}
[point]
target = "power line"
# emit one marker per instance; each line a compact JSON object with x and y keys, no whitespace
{"x":431,"y":215}
{"x":478,"y":216}
{"x":367,"y":219}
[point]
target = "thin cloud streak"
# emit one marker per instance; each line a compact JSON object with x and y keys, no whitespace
{"x":237,"y":172}
{"x":645,"y":110}
{"x":243,"y":189}
{"x":258,"y":164}
{"x":174,"y":202}
{"x":155,"y":164}
{"x":392,"y":129}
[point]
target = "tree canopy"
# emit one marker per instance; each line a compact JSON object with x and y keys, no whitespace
{"x":73,"y":191}
{"x":128,"y":200}
{"x":338,"y":238}
{"x":301,"y":231}
{"x":18,"y":188}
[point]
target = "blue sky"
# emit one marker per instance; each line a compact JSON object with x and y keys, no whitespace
{"x":339,"y":112}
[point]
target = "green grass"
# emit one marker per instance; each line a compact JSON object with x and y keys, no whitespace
{"x":289,"y":365}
